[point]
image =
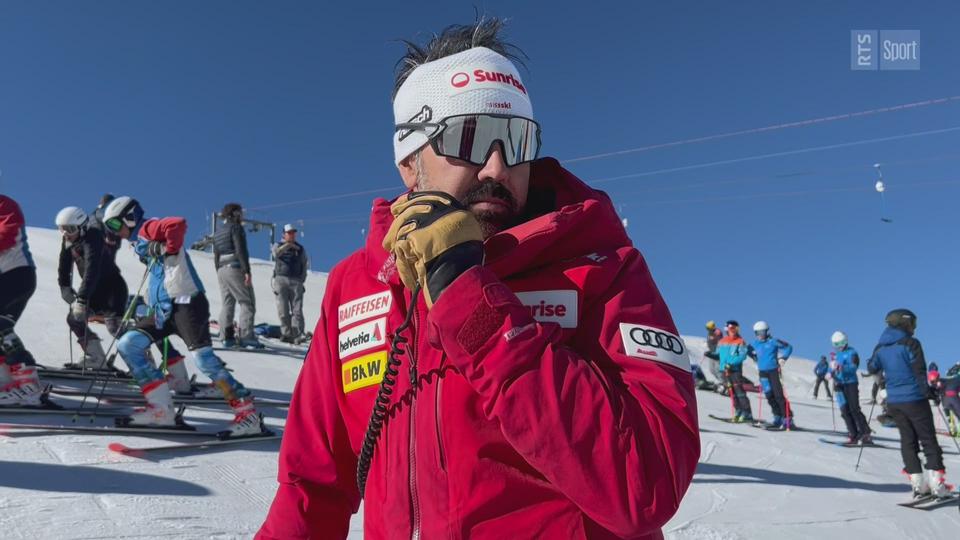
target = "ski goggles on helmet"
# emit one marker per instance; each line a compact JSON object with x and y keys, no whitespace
{"x":130,"y":219}
{"x":69,"y":230}
{"x":471,"y":137}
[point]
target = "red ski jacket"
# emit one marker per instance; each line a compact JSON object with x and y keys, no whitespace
{"x":553,"y":397}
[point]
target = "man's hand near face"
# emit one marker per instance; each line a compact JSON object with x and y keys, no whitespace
{"x":434,"y":239}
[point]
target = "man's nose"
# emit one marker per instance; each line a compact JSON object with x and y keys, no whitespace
{"x":495,"y":167}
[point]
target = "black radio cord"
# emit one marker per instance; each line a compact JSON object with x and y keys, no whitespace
{"x":390,"y":373}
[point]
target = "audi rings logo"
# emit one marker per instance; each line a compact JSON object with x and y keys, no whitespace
{"x":648,"y":337}
{"x":648,"y":343}
{"x":459,"y":79}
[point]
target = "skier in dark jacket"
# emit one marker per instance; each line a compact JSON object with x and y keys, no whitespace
{"x":899,"y":357}
{"x":821,"y":370}
{"x":950,"y":384}
{"x":232,"y":260}
{"x":102,"y":289}
{"x":289,"y":275}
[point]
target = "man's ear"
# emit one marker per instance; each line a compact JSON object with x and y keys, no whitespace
{"x":408,"y":170}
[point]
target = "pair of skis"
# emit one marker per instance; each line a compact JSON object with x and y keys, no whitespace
{"x":211,"y":438}
{"x":178,"y":399}
{"x":930,"y":502}
{"x":755,"y":423}
{"x":846,"y":444}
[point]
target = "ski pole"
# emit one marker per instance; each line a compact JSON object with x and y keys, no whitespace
{"x":786,"y":400}
{"x":940,"y":410}
{"x":126,"y":317}
{"x":833,"y":409}
{"x":860,"y":455}
{"x":760,"y":402}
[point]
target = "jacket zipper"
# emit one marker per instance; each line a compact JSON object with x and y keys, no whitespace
{"x":412,"y":454}
{"x":437,"y":414}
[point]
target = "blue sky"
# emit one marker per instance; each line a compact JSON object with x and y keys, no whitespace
{"x":186,"y":105}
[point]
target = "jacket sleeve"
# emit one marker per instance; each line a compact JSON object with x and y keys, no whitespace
{"x":617,"y":433}
{"x":918,"y":364}
{"x":65,"y":266}
{"x":92,"y":256}
{"x":170,"y":230}
{"x":873,"y":363}
{"x":317,"y":476}
{"x":740,"y":354}
{"x":306,"y":263}
{"x":11,"y":221}
{"x":240,"y":247}
{"x":784,"y":349}
{"x":751,"y":352}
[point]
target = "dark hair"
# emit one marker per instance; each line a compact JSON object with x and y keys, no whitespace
{"x":105,"y":200}
{"x":231,"y":211}
{"x":456,"y":38}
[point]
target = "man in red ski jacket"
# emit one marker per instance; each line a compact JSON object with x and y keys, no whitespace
{"x":537,"y":387}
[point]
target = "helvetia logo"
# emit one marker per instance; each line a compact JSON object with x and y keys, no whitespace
{"x":362,"y":337}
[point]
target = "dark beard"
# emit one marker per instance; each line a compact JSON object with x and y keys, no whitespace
{"x":493,"y":222}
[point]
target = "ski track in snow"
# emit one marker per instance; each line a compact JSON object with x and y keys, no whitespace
{"x":750,"y":483}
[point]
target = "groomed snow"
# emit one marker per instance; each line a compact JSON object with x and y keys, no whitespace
{"x":750,"y":483}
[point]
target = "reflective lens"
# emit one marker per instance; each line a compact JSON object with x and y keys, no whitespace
{"x":69,"y":229}
{"x":114,"y":224}
{"x":471,"y":137}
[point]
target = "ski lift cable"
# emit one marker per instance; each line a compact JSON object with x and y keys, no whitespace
{"x":677,"y":186}
{"x":795,"y":193}
{"x":675,"y":143}
{"x":764,"y":129}
{"x":774,"y":154}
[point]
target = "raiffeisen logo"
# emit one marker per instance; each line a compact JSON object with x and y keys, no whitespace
{"x":461,"y":79}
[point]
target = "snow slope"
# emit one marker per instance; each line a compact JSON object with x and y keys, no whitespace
{"x":750,"y":483}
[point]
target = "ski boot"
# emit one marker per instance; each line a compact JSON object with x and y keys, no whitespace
{"x":744,"y":418}
{"x":777,"y":423}
{"x":251,"y":343}
{"x":159,"y":411}
{"x":246,"y":421}
{"x":938,"y":485}
{"x":23,"y":388}
{"x":918,"y":483}
{"x":177,"y":377}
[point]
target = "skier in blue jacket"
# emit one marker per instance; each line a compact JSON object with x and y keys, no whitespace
{"x":821,"y":370}
{"x":770,"y":354}
{"x":844,"y":368}
{"x":899,"y":357}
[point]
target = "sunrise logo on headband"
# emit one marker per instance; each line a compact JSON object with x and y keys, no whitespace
{"x":474,"y":81}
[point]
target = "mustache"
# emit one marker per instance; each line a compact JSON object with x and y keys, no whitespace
{"x":490,"y":190}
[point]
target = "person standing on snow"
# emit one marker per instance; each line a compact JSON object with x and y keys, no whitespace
{"x":232,"y":260}
{"x":19,"y":382}
{"x":951,"y":401}
{"x":289,"y":274}
{"x":846,"y":362}
{"x":821,"y":370}
{"x":102,"y":289}
{"x":714,"y":335}
{"x":179,"y":306}
{"x":733,"y":351}
{"x":770,"y":354}
{"x":539,"y":335}
{"x":110,"y":240}
{"x":899,"y":357}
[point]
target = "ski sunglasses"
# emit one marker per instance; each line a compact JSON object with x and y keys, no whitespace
{"x":69,"y":230}
{"x":471,"y":137}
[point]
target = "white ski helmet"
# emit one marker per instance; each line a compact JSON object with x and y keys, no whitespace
{"x":761,"y":327}
{"x":71,"y":219}
{"x":122,"y":211}
{"x":839,"y":339}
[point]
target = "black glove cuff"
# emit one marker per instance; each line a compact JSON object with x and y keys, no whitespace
{"x":443,"y":270}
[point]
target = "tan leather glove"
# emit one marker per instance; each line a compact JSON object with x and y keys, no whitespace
{"x":434,"y":239}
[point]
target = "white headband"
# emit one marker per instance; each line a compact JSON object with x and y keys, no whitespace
{"x":475,"y":81}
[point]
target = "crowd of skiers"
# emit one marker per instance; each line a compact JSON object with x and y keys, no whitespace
{"x":176,"y":304}
{"x":900,"y":371}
